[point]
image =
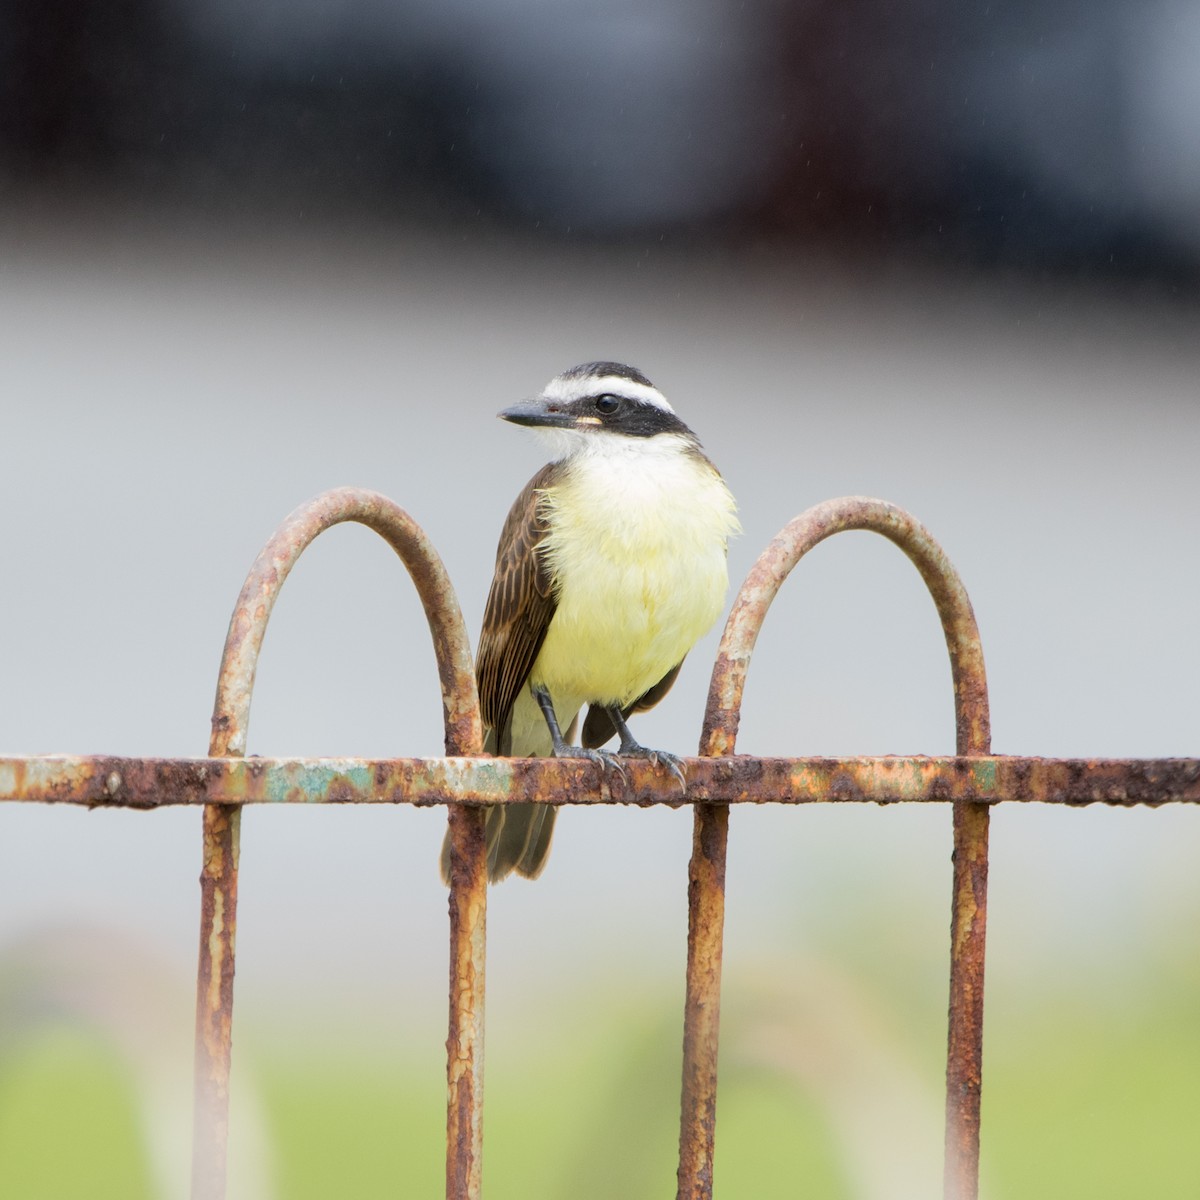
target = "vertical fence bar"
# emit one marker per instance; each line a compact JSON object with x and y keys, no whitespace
{"x":964,"y":1053}
{"x":222,"y":827}
{"x":968,"y":920}
{"x":702,"y":1010}
{"x":214,"y":1000}
{"x":231,"y":716}
{"x":464,"y":1047}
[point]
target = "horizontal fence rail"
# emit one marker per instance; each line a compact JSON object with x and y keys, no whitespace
{"x":971,"y":781}
{"x":103,"y":782}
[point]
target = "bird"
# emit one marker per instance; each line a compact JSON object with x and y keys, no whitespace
{"x":611,"y":564}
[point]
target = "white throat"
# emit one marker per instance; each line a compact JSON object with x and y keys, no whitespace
{"x":564,"y":444}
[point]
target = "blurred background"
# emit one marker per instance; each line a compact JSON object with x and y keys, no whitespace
{"x":944,"y":254}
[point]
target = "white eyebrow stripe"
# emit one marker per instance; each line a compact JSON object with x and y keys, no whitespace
{"x":567,"y":390}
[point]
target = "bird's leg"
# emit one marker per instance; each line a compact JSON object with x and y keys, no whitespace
{"x":631,"y":748}
{"x":561,"y":750}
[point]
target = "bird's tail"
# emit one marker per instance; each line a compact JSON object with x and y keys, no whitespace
{"x":518,"y":839}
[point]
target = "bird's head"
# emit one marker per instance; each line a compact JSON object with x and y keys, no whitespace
{"x":584,"y":408}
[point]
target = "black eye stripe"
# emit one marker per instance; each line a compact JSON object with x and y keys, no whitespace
{"x":629,"y":416}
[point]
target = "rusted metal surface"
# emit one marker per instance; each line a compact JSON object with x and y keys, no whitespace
{"x":230,"y":723}
{"x":702,"y":1006}
{"x":968,"y":920}
{"x":464,"y":1047}
{"x":248,"y":625}
{"x":964,"y":1041}
{"x":104,"y":782}
{"x":214,"y":1000}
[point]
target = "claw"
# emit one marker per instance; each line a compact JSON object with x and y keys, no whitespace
{"x":631,"y":748}
{"x":674,"y":765}
{"x":611,"y":762}
{"x":660,"y":758}
{"x":605,"y":759}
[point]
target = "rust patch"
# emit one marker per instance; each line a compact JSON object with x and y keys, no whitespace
{"x":464,"y":1046}
{"x":964,"y":1057}
{"x":702,"y":1009}
{"x":214,"y":1001}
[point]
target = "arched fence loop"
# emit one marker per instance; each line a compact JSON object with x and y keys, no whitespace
{"x":784,"y":551}
{"x":218,"y":880}
{"x":706,"y":872}
{"x":248,"y":625}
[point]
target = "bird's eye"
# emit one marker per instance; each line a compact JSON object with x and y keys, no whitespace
{"x":607,"y":404}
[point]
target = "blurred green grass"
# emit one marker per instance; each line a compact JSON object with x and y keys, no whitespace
{"x":1096,"y":1101}
{"x":69,"y":1123}
{"x":1100,"y":1102}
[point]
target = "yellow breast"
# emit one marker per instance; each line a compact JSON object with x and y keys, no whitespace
{"x":637,"y":551}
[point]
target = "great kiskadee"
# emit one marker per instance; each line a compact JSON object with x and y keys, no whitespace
{"x":611,"y":564}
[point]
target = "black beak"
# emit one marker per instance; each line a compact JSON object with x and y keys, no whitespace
{"x":537,"y":412}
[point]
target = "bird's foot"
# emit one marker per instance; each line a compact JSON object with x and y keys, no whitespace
{"x":605,"y":759}
{"x":660,"y":758}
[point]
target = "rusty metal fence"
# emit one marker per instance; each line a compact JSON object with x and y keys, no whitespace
{"x":465,"y":781}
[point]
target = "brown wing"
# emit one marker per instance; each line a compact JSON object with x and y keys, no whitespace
{"x":598,"y":726}
{"x":519,"y":606}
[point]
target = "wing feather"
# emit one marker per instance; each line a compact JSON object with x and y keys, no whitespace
{"x":519,"y":606}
